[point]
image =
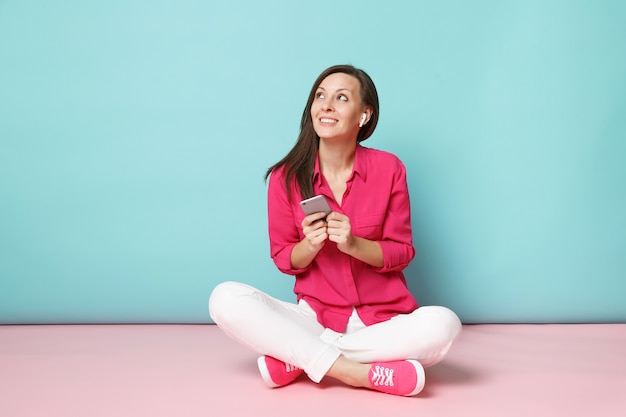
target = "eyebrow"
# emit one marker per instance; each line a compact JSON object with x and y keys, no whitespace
{"x":339,"y":89}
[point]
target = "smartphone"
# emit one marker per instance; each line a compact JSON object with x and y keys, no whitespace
{"x":315,"y":205}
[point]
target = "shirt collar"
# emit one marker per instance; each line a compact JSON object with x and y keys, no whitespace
{"x":360,"y":166}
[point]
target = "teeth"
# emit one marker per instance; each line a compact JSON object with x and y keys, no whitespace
{"x":328,"y":120}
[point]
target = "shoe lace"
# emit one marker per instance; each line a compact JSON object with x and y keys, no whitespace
{"x":291,"y":368}
{"x":382,"y":376}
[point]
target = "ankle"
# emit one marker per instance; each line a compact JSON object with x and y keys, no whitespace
{"x":350,"y":373}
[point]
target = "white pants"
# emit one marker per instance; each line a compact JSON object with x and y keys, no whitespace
{"x":290,"y":332}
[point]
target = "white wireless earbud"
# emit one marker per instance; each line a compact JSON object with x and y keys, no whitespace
{"x":362,"y":122}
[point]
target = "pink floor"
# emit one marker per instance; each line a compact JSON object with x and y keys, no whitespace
{"x":194,"y":370}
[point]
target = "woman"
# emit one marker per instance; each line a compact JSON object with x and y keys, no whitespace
{"x":355,"y":319}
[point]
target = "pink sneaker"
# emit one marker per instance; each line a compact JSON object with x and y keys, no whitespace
{"x":276,"y":373}
{"x":399,"y":378}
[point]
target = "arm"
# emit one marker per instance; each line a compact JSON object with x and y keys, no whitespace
{"x":282,"y":230}
{"x":397,"y":239}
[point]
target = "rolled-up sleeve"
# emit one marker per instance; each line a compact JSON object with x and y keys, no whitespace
{"x":283,"y":232}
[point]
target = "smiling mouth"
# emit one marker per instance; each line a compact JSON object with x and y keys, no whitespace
{"x":328,"y":121}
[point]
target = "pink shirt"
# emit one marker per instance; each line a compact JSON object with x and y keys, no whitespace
{"x":377,"y":202}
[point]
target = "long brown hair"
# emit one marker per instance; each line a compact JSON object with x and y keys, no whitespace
{"x":300,"y":161}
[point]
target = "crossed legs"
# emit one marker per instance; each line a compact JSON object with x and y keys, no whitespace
{"x":290,"y":332}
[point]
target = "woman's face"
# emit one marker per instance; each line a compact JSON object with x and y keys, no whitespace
{"x":337,"y":109}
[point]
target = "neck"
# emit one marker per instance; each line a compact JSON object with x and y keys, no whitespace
{"x":336,"y":158}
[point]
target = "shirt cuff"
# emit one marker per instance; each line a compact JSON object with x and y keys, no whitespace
{"x":396,"y":256}
{"x":282,"y":260}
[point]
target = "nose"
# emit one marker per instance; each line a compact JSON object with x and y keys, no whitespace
{"x":326,"y":105}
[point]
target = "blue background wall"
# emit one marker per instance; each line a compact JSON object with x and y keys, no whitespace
{"x":134,"y":136}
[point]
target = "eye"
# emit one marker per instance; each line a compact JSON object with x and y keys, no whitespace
{"x":319,"y":95}
{"x":342,"y":97}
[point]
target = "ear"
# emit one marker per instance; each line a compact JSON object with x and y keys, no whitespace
{"x":365,"y":117}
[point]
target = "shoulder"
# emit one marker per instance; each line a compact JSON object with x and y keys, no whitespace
{"x":379,"y":159}
{"x":277,"y":175}
{"x":277,"y":184}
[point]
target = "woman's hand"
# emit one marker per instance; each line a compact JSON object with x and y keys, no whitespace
{"x":314,"y":228}
{"x":340,"y":231}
